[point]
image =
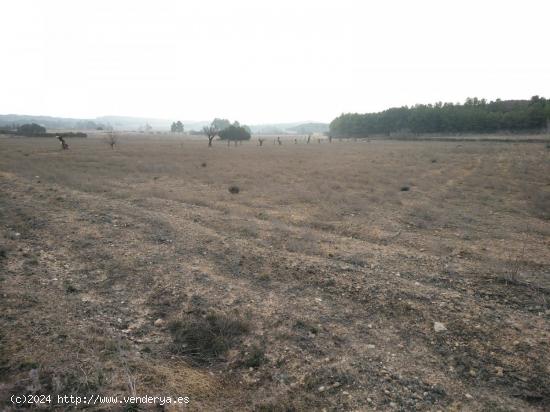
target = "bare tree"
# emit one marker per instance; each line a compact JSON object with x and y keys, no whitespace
{"x":261,"y":141}
{"x":210,"y":132}
{"x":64,"y":144}
{"x":111,"y":139}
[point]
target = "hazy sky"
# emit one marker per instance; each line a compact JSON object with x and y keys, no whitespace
{"x":266,"y":61}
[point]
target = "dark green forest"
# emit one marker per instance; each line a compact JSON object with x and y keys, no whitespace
{"x":474,"y":116}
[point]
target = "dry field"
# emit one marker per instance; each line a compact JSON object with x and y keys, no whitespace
{"x":316,"y":287}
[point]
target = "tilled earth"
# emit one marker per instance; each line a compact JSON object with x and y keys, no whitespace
{"x":370,"y":276}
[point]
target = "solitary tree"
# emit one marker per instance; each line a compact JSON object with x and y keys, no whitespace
{"x":111,"y":139}
{"x":177,"y":127}
{"x":221,"y":124}
{"x":210,"y":132}
{"x":64,"y":144}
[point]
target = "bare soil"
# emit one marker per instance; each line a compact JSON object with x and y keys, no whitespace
{"x":321,"y":283}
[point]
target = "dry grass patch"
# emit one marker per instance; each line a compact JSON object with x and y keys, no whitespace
{"x":206,"y":338}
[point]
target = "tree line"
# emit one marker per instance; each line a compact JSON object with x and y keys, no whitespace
{"x":36,"y":130}
{"x":474,"y":116}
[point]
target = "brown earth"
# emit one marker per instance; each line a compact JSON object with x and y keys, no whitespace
{"x":336,"y":259}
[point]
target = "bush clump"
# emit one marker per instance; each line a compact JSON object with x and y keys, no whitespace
{"x":256,"y":357}
{"x":206,"y":338}
{"x":31,"y":129}
{"x":234,"y":133}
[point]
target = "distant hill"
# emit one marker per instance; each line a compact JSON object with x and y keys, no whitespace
{"x":290,"y":128}
{"x":11,"y":120}
{"x":308,"y":128}
{"x":134,"y":123}
{"x":129,"y":123}
{"x":117,"y":122}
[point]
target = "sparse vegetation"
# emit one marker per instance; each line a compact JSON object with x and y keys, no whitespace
{"x":323,"y":280}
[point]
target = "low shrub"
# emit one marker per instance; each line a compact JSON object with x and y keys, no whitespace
{"x":206,"y":338}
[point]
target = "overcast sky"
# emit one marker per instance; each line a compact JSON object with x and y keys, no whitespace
{"x":266,"y":61}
